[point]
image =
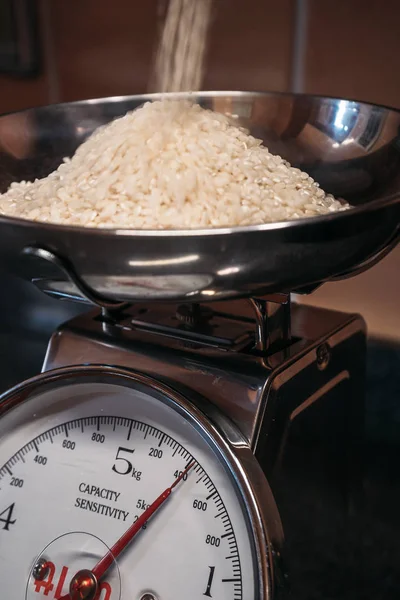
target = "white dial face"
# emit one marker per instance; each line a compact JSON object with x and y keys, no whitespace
{"x":81,"y":463}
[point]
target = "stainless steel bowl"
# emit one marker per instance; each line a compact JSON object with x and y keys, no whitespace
{"x":352,"y":149}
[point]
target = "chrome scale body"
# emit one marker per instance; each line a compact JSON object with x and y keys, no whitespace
{"x":262,"y":381}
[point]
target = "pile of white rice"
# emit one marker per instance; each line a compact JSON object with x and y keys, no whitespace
{"x":170,"y":164}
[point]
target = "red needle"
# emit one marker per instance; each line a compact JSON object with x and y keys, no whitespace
{"x":104,"y":563}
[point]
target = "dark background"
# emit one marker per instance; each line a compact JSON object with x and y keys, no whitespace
{"x":99,"y":48}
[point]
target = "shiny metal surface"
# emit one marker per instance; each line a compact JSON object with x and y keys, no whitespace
{"x":272,"y":321}
{"x":225,"y":438}
{"x":265,"y":398}
{"x":352,"y":149}
{"x":84,"y":290}
{"x":234,"y":379}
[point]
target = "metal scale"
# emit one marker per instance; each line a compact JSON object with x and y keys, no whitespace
{"x":138,"y":464}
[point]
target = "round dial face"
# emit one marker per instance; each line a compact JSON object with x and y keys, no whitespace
{"x":120,"y":482}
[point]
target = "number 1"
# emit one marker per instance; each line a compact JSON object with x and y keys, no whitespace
{"x":209,"y":582}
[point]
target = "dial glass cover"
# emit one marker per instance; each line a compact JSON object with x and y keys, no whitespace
{"x":82,"y":460}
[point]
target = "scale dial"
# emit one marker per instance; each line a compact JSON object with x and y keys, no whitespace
{"x":84,"y":453}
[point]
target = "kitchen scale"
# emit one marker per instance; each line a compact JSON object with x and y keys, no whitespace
{"x":138,"y":464}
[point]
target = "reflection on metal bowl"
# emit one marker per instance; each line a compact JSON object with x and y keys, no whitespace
{"x":352,"y":149}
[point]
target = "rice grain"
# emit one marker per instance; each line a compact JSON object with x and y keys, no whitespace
{"x":170,"y":165}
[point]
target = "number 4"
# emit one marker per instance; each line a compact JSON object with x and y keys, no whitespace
{"x":8,"y":516}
